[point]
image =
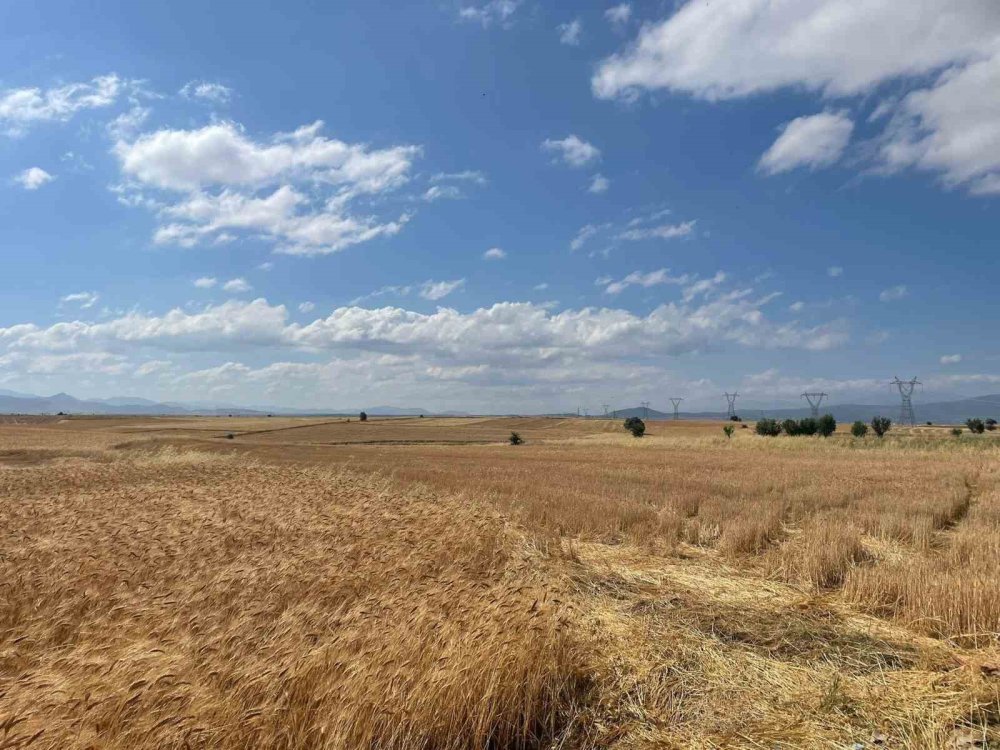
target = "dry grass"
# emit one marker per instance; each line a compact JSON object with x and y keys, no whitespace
{"x":584,"y":590}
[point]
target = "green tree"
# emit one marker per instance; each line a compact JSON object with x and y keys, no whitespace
{"x":827,"y":425}
{"x":767,"y":427}
{"x":363,"y":417}
{"x":729,"y":430}
{"x":636,"y":426}
{"x":881,"y":425}
{"x":808,"y":426}
{"x":515,"y":439}
{"x":976,"y":426}
{"x":956,"y":431}
{"x":790,"y":427}
{"x":859,"y":429}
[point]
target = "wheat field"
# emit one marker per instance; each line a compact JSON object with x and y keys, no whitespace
{"x":419,"y":583}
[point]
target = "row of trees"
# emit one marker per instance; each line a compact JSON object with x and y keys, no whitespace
{"x":825,"y":426}
{"x":979,"y":426}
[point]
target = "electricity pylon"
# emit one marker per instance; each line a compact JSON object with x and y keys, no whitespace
{"x":676,"y":402}
{"x":814,"y":399}
{"x":906,"y":387}
{"x":645,"y":409}
{"x":605,"y":407}
{"x":731,"y":398}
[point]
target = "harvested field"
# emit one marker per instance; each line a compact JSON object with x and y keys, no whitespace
{"x":305,"y":585}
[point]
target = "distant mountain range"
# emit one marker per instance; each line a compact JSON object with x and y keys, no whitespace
{"x":939,"y":412}
{"x":13,"y":402}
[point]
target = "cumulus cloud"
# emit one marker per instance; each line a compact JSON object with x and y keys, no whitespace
{"x":599,"y":184}
{"x":85,"y":300}
{"x":735,"y":48}
{"x":570,"y":32}
{"x":24,"y":107}
{"x":237,"y":286}
{"x":205,"y":282}
{"x":295,"y":189}
{"x":435,"y":290}
{"x":893,"y":293}
{"x":492,"y":12}
{"x":797,"y":306}
{"x":206,"y":91}
{"x":33,"y":178}
{"x":814,"y":141}
{"x":951,"y":359}
{"x":834,"y":271}
{"x":306,"y":307}
{"x":572,"y":150}
{"x":495,"y":253}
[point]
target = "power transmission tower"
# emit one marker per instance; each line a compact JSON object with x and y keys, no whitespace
{"x":645,"y":409}
{"x":905,"y":392}
{"x":605,"y":407}
{"x":676,"y":402}
{"x":731,"y":398}
{"x":814,"y":399}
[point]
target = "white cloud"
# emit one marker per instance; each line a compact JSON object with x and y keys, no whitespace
{"x":893,"y":293}
{"x":469,"y":175}
{"x":435,"y":290}
{"x":296,"y":189}
{"x":206,"y":91}
{"x":951,"y":359}
{"x":306,"y":307}
{"x":619,"y":15}
{"x":85,"y":300}
{"x":599,"y":184}
{"x":584,"y":234}
{"x":265,"y":266}
{"x":436,"y":192}
{"x":152,"y":367}
{"x":653,"y":278}
{"x":572,"y":150}
{"x":21,"y":108}
{"x":662,"y":231}
{"x":834,"y":271}
{"x":952,"y":128}
{"x":734,"y":48}
{"x":494,"y":253}
{"x":487,"y":14}
{"x":205,"y":282}
{"x":570,"y":32}
{"x":814,"y":141}
{"x":541,"y":287}
{"x":128,"y":123}
{"x":797,"y":306}
{"x":237,"y":286}
{"x":394,"y":290}
{"x":33,"y":178}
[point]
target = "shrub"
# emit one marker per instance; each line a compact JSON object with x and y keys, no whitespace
{"x":859,"y":429}
{"x":790,"y":427}
{"x":729,"y":430}
{"x":991,"y":424}
{"x":736,"y":418}
{"x":636,"y":426}
{"x":881,"y":425}
{"x":929,"y":423}
{"x":230,"y":436}
{"x":767,"y":427}
{"x":826,"y":425}
{"x":956,"y":431}
{"x":808,"y":426}
{"x":976,"y":426}
{"x":515,"y":439}
{"x":363,"y":417}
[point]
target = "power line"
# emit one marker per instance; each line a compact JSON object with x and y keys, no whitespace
{"x":814,"y":399}
{"x":676,"y":402}
{"x":731,"y":398}
{"x":906,"y":387}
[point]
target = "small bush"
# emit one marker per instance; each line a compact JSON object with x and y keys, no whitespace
{"x":515,"y":439}
{"x":991,"y":424}
{"x":929,"y":423}
{"x":808,"y":426}
{"x":729,"y":430}
{"x":363,"y":417}
{"x":956,"y":431}
{"x":736,"y":418}
{"x":859,"y":429}
{"x":826,"y":425}
{"x":976,"y":426}
{"x":881,"y":425}
{"x":767,"y":427}
{"x":790,"y":427}
{"x":636,"y":426}
{"x":230,"y":436}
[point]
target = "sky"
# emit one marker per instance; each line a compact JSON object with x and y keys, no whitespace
{"x":501,"y":206}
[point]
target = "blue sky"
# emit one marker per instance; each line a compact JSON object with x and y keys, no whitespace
{"x":499,"y":206}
